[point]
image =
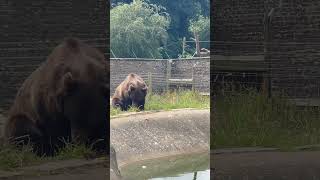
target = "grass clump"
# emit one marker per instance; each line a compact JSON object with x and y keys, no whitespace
{"x":171,"y":100}
{"x":252,"y":119}
{"x":74,"y":151}
{"x":11,"y":157}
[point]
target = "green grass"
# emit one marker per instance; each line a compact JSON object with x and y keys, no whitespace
{"x":12,"y":158}
{"x":172,"y":100}
{"x":252,"y":119}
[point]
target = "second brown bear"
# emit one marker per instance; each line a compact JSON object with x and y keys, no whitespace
{"x":131,"y":92}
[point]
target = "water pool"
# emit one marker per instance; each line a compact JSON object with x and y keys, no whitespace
{"x":198,"y":175}
{"x":183,"y":167}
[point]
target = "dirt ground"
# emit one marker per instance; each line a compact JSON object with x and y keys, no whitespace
{"x":79,"y":174}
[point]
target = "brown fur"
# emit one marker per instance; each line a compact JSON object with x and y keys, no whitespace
{"x":131,"y":92}
{"x":65,"y":98}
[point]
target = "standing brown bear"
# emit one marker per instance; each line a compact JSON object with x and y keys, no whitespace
{"x":65,"y":99}
{"x":131,"y":92}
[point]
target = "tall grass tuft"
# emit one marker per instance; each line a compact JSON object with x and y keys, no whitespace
{"x":11,"y":157}
{"x":252,"y":119}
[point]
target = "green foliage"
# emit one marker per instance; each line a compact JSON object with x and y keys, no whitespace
{"x":180,"y":11}
{"x":201,"y":26}
{"x":138,"y":29}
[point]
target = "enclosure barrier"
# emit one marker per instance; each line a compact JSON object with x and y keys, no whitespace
{"x":163,"y":74}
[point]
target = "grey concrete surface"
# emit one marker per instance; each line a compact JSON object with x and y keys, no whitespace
{"x":267,"y":166}
{"x":143,"y":136}
{"x":242,"y":150}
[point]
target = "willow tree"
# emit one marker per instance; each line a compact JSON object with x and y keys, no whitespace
{"x":138,"y":29}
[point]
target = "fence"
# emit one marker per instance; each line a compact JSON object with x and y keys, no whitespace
{"x":163,"y":72}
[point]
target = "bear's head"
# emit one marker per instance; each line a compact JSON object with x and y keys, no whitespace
{"x":137,"y":92}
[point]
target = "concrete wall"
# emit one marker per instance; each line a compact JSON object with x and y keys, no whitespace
{"x":163,"y":133}
{"x":157,"y":68}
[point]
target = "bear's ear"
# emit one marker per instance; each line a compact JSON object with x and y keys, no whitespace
{"x":68,"y":84}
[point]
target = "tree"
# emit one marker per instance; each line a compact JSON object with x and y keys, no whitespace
{"x":181,"y":11}
{"x":138,"y":29}
{"x":200,"y":26}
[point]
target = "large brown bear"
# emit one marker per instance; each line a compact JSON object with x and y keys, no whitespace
{"x":65,"y":99}
{"x":131,"y":92}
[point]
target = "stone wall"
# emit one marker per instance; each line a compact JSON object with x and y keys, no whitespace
{"x":201,"y":72}
{"x":29,"y":30}
{"x":293,"y":61}
{"x":295,"y":49}
{"x":120,"y":68}
{"x":156,"y":69}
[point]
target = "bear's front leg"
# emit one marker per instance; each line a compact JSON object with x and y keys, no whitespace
{"x":22,"y":131}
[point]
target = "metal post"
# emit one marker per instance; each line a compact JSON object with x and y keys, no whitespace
{"x":267,"y":40}
{"x":267,"y":22}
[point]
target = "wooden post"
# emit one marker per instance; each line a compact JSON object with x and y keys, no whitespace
{"x":183,"y":46}
{"x":168,"y":74}
{"x":193,"y":82}
{"x":149,"y":83}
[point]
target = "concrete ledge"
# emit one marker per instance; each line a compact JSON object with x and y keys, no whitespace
{"x":262,"y":149}
{"x":127,"y":114}
{"x":149,"y":135}
{"x":242,"y":150}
